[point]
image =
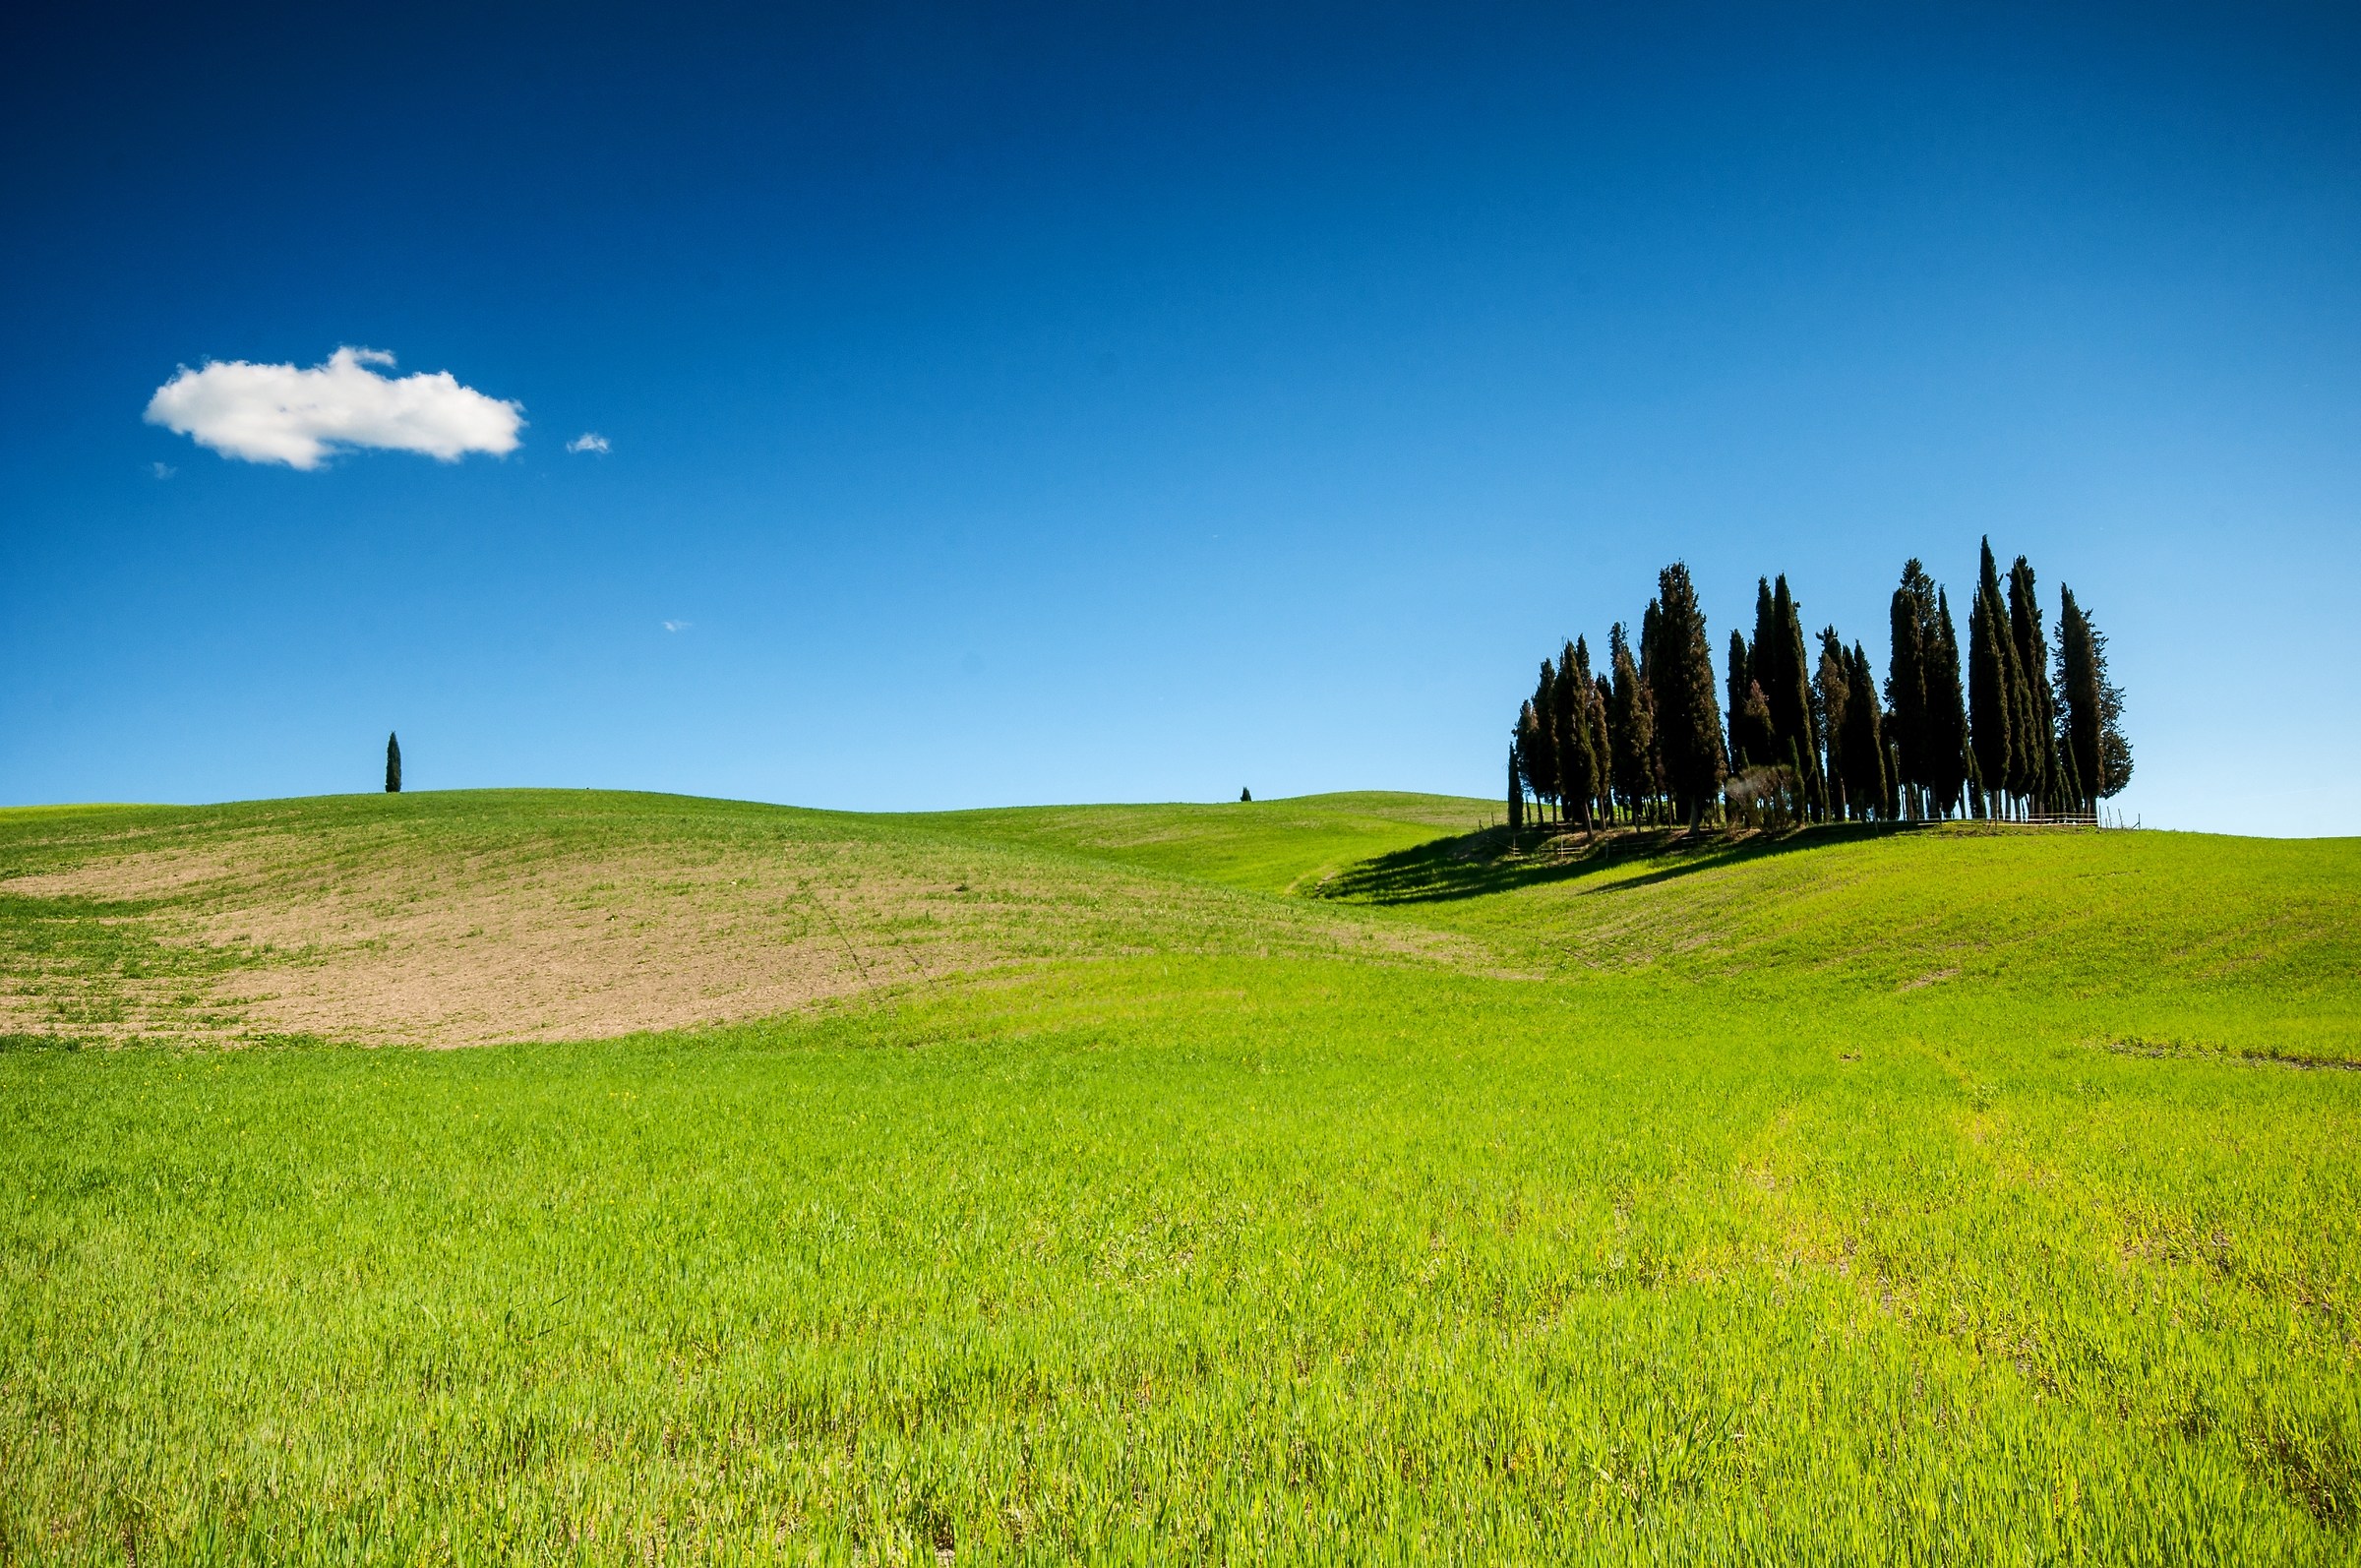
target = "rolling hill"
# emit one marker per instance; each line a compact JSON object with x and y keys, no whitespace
{"x":1305,"y":1179}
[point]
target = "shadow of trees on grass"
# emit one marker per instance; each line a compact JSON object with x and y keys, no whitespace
{"x":1496,"y":860}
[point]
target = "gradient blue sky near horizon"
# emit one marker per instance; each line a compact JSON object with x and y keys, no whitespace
{"x":1019,"y":405}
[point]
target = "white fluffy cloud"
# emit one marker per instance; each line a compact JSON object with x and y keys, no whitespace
{"x":589,"y":441}
{"x":280,"y":413}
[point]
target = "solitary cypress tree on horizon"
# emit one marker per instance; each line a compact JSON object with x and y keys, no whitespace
{"x":1689,"y":714}
{"x":392,"y":763}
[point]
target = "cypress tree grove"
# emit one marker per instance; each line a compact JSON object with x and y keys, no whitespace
{"x":1832,"y":705}
{"x":392,"y":763}
{"x":1689,"y":714}
{"x":1914,"y":630}
{"x":1982,"y":729}
{"x":1949,"y":764}
{"x":1992,"y":697}
{"x":2041,"y":701}
{"x":2091,"y":709}
{"x":1577,"y":763}
{"x":1632,"y":718}
{"x":1540,"y":754}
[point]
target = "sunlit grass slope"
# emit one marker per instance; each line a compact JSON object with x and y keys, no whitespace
{"x":1498,"y":1204}
{"x":1274,"y":846}
{"x":474,"y":916}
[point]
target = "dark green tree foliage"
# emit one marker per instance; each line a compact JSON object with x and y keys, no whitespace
{"x":1577,"y":761}
{"x":1602,"y":699}
{"x":1993,"y":681}
{"x":1739,"y":676}
{"x":1868,"y":780}
{"x":1914,"y":633}
{"x":2089,"y":708}
{"x":392,"y":763}
{"x":1751,"y":721}
{"x":1782,"y":669}
{"x":1246,"y":797}
{"x":1540,"y":755}
{"x":1632,"y":720}
{"x":1516,"y":791}
{"x":1532,"y":742}
{"x":1689,"y":714}
{"x":1949,"y":764}
{"x":1832,"y":692}
{"x":2043,"y":771}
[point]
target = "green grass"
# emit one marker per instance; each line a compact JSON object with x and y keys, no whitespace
{"x":1669,"y":1211}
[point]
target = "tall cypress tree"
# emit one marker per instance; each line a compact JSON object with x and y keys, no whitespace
{"x":1540,"y":762}
{"x":2041,"y":703}
{"x":1689,"y":714}
{"x":1516,"y":790}
{"x":1632,"y":718}
{"x":1868,"y":783}
{"x":1577,"y":761}
{"x":392,"y":763}
{"x":1532,"y":745}
{"x":1993,"y":686}
{"x":1603,"y":747}
{"x":1832,"y":705}
{"x":1950,"y":762}
{"x":1789,"y":693}
{"x":1913,"y":629}
{"x":1740,"y":676}
{"x":2090,"y":707}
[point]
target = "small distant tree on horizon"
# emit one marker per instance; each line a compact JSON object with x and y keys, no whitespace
{"x":1244,"y":796}
{"x":392,"y":763}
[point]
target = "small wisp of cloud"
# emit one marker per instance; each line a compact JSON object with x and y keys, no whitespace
{"x":678,"y":626}
{"x":162,"y":470}
{"x":282,"y":413}
{"x":589,"y":440}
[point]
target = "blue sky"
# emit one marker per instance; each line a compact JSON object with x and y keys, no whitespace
{"x":1012,"y":404}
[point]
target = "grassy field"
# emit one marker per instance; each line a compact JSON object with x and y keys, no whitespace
{"x":1309,"y":1179}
